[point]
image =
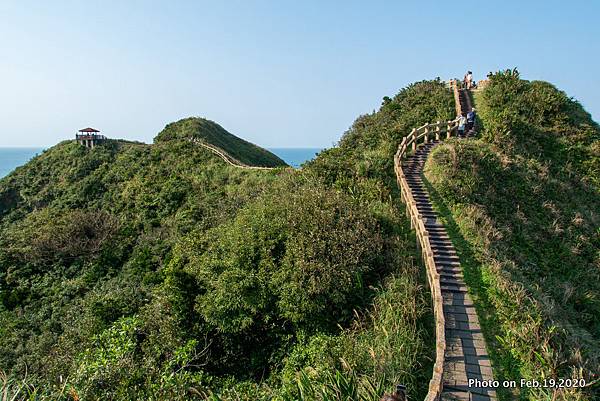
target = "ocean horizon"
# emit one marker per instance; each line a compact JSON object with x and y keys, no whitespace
{"x":295,"y":157}
{"x":13,"y":157}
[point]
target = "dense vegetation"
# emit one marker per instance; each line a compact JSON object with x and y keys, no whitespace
{"x":135,"y":271}
{"x":522,"y":203}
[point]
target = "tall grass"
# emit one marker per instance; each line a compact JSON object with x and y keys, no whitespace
{"x":341,"y":386}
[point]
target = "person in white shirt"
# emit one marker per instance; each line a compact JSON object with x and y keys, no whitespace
{"x":469,"y":79}
{"x":462,"y":122}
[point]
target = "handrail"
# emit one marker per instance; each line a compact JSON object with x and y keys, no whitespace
{"x":226,"y":156}
{"x":481,"y":84}
{"x":416,"y":220}
{"x":454,"y":86}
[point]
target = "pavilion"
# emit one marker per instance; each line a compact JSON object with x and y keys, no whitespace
{"x":89,"y":137}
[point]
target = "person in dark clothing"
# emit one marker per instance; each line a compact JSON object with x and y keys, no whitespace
{"x":399,"y":394}
{"x":471,"y":120}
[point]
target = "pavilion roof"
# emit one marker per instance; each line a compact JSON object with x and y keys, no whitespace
{"x":88,"y":129}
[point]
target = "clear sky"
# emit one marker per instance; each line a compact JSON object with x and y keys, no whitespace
{"x":277,"y":73}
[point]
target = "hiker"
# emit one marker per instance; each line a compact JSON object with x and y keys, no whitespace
{"x":394,"y":397}
{"x":388,"y":397}
{"x":470,"y":120}
{"x":399,"y":394}
{"x":462,"y":122}
{"x":469,"y":79}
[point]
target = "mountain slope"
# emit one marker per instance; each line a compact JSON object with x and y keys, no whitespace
{"x":214,"y":134}
{"x":86,"y":232}
{"x":160,"y":272}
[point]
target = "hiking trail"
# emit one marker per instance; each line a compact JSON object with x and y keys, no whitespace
{"x":460,"y":346}
{"x":226,"y":156}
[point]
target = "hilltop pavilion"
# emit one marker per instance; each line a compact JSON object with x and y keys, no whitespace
{"x":89,"y":137}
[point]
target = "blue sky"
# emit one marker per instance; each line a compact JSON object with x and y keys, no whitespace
{"x":277,"y":73}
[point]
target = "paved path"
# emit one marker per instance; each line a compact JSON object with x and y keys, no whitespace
{"x":466,"y":356}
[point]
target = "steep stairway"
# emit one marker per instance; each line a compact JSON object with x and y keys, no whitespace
{"x":466,"y":366}
{"x":465,"y":101}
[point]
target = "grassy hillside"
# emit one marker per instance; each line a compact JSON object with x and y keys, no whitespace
{"x":523,"y":206}
{"x":211,"y":132}
{"x":136,"y":271}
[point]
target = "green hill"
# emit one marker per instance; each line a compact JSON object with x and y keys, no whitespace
{"x":213,"y":133}
{"x":136,"y":271}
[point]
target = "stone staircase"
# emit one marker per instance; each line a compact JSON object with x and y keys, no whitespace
{"x":467,"y":373}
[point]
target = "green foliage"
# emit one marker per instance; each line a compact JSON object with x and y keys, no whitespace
{"x":366,"y":150}
{"x":300,"y":260}
{"x":85,"y":235}
{"x":381,"y":349}
{"x":43,"y":238}
{"x":134,"y":271}
{"x":525,"y":199}
{"x":110,"y":360}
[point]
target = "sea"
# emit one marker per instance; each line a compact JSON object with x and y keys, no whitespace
{"x":295,"y":156}
{"x":11,"y":158}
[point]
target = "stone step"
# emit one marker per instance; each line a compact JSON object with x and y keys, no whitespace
{"x":439,"y":238}
{"x":469,"y":310}
{"x":443,"y":246}
{"x":449,"y":271}
{"x":444,"y":253}
{"x":446,"y":259}
{"x":453,"y":288}
{"x":466,"y":356}
{"x":454,"y":279}
{"x":435,"y":232}
{"x":437,"y":241}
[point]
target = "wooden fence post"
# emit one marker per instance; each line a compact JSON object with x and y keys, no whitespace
{"x":448,"y":130}
{"x":437,"y":131}
{"x":413,"y":134}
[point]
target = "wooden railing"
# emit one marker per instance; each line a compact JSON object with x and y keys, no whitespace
{"x":424,"y":134}
{"x":482,"y":84}
{"x":226,"y":156}
{"x":454,"y":85}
